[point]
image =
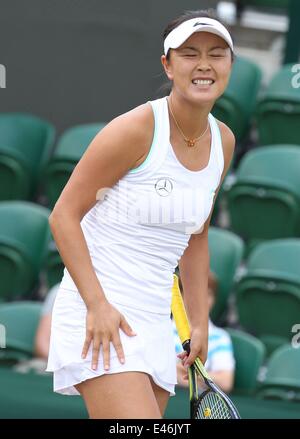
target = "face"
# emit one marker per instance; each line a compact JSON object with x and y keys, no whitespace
{"x":200,"y":68}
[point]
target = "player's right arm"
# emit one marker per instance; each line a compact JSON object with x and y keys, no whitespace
{"x":116,"y":149}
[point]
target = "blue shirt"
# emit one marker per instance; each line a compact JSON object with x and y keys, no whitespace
{"x":220,"y":351}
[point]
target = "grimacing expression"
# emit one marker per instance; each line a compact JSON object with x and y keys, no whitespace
{"x":200,"y":68}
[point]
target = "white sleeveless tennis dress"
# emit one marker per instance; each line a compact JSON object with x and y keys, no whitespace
{"x":136,"y":233}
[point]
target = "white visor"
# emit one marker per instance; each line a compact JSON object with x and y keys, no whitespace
{"x":201,"y":24}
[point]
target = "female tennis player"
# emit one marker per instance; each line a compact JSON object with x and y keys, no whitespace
{"x":138,"y":204}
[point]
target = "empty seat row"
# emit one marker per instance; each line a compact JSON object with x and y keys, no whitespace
{"x":264,"y":196}
{"x":31,"y":161}
{"x":26,"y":250}
{"x":20,"y":339}
{"x":24,"y":240}
{"x":280,"y":382}
{"x":26,"y":142}
{"x":268,"y":293}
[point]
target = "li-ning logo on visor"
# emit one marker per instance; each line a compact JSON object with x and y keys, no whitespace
{"x":163,"y":187}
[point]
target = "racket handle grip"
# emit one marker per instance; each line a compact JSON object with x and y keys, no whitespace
{"x":187,"y":346}
{"x":179,"y":314}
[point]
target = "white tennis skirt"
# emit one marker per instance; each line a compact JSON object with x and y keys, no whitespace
{"x":151,"y":351}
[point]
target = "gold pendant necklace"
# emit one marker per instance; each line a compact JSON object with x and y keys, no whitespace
{"x":190,"y":142}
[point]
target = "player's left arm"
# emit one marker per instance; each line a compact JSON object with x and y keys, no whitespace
{"x":194,"y":269}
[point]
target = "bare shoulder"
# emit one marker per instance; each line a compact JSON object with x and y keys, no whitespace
{"x":228,"y":143}
{"x":115,"y":150}
{"x":142,"y":113}
{"x":133,"y":132}
{"x":137,"y":123}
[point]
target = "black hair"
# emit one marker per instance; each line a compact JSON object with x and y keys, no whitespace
{"x":188,"y":15}
{"x":166,"y":88}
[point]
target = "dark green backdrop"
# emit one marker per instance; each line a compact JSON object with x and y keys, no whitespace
{"x":77,"y":61}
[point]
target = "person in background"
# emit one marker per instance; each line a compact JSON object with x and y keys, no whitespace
{"x":38,"y":363}
{"x":220,"y":363}
{"x":42,"y":338}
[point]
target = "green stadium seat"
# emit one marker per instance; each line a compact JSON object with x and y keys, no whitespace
{"x":20,"y":320}
{"x":226,"y":252}
{"x":29,"y":395}
{"x":67,"y":154}
{"x":218,"y":202}
{"x":268,"y":295}
{"x":272,"y":342}
{"x":264,"y":200}
{"x":282,"y":380}
{"x":278,"y":111}
{"x":237,"y":105}
{"x":249,"y":354}
{"x":25,"y":144}
{"x":54,"y":266}
{"x":24,"y":237}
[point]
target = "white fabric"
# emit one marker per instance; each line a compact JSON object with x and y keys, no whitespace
{"x":136,"y":236}
{"x":201,"y":24}
{"x":134,"y":256}
{"x":150,"y":351}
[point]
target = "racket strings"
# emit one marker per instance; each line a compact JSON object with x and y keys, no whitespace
{"x":211,"y":406}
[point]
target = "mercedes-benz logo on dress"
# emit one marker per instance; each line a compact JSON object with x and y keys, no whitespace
{"x":163,"y":187}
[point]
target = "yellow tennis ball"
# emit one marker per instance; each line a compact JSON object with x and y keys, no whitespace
{"x":207,"y":412}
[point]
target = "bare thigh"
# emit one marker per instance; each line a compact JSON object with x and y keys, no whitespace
{"x":125,"y":395}
{"x":161,"y":395}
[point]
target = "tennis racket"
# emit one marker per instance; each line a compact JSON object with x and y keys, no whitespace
{"x":207,"y":401}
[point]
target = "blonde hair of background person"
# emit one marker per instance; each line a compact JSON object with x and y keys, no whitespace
{"x":199,"y":70}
